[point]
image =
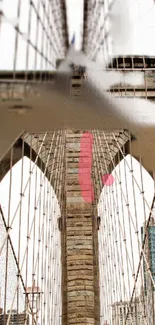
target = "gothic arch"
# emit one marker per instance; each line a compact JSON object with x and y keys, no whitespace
{"x":17,"y":155}
{"x":118,"y":158}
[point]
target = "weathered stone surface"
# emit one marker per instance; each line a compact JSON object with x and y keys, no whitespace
{"x":80,"y":262}
{"x":88,"y":298}
{"x":83,"y":257}
{"x":75,"y":233}
{"x":78,"y":207}
{"x":79,"y":234}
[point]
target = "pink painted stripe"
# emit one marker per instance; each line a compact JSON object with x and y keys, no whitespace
{"x":85,"y":167}
{"x":108,"y":179}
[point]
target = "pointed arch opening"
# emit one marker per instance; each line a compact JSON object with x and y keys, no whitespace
{"x":126,"y":245}
{"x":30,"y":240}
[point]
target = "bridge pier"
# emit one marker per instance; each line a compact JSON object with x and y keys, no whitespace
{"x":80,"y":260}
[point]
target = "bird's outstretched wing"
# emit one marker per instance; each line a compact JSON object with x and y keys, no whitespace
{"x":94,"y":108}
{"x":135,"y":114}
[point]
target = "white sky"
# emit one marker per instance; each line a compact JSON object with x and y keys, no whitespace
{"x":137,"y":19}
{"x":75,"y":20}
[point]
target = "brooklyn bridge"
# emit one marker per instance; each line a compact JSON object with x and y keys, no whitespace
{"x":77,"y":217}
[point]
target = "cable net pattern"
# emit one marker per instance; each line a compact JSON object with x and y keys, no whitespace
{"x":126,"y":234}
{"x":32,"y":205}
{"x":30,"y":241}
{"x":33,"y":35}
{"x":97,"y":42}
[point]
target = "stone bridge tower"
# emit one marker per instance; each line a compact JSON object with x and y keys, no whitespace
{"x":79,"y":222}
